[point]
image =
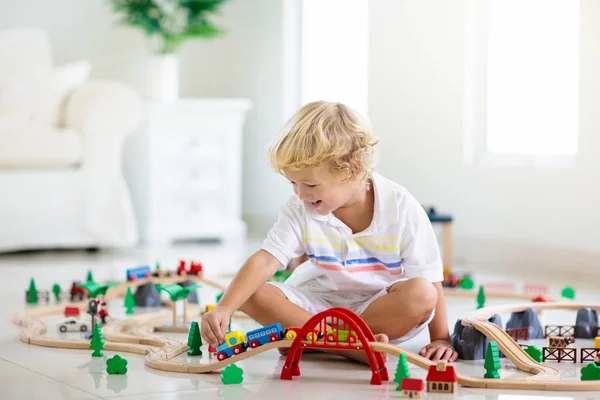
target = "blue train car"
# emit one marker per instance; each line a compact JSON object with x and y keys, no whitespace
{"x":266,"y":334}
{"x":139,"y":273}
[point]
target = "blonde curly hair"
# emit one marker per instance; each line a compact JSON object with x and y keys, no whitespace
{"x":328,"y":134}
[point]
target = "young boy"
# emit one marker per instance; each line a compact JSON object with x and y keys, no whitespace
{"x":370,"y":245}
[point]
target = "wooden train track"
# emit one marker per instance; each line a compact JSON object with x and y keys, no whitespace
{"x":160,"y":351}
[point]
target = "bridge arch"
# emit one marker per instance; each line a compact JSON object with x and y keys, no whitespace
{"x":341,"y":319}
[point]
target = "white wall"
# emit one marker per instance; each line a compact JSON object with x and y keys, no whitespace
{"x":505,"y":217}
{"x":246,"y":62}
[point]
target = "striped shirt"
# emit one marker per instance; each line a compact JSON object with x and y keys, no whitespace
{"x":399,"y":243}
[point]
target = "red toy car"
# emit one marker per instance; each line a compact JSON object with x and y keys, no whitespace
{"x":72,"y":311}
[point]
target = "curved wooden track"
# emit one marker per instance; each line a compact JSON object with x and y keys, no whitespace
{"x":160,"y":351}
{"x":457,"y":292}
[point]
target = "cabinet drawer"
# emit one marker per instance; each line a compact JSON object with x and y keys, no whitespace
{"x":203,"y":139}
{"x":190,"y":177}
{"x":187,"y":211}
{"x":190,"y":147}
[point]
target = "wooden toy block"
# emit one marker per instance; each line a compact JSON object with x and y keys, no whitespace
{"x":116,"y":365}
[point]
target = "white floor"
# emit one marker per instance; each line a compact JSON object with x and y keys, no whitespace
{"x":31,"y":372}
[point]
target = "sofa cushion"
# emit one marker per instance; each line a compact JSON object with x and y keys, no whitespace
{"x":40,"y":98}
{"x":39,"y":147}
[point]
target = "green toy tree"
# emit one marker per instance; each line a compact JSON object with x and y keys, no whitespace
{"x":56,"y":290}
{"x":492,"y":361}
{"x":534,"y":352}
{"x":90,"y":277}
{"x":590,"y":372}
{"x":129,"y":302}
{"x":194,"y":340}
{"x":97,"y":343}
{"x":32,"y":293}
{"x":232,"y":374}
{"x":568,"y":293}
{"x":401,"y":371}
{"x":480,"y":298}
{"x":466,"y":283}
{"x":116,"y":365}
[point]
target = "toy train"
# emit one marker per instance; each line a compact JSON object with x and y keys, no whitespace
{"x":139,"y":273}
{"x":453,"y":280}
{"x":237,"y":342}
{"x":196,"y":268}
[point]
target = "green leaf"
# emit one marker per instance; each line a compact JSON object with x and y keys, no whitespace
{"x":147,"y":16}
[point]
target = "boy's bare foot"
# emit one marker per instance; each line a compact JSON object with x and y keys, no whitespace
{"x":355,"y":355}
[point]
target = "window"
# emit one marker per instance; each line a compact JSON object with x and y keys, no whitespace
{"x":522,"y":80}
{"x":334,"y":55}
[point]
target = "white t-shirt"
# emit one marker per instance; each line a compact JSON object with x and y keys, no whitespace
{"x":399,"y":243}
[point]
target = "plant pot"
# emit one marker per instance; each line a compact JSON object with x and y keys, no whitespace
{"x":162,"y":77}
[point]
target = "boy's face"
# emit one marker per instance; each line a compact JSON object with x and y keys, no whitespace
{"x":321,"y":189}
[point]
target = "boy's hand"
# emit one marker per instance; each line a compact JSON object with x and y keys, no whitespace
{"x":214,"y":326}
{"x":439,"y":350}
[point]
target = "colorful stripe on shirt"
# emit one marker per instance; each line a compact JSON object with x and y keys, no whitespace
{"x":357,"y":265}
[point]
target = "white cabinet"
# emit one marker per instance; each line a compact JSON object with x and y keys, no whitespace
{"x":186,"y":170}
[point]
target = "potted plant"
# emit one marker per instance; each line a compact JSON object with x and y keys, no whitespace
{"x":168,"y":23}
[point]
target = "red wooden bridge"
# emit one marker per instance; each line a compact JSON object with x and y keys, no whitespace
{"x":342,"y":330}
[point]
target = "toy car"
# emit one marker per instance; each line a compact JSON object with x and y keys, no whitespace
{"x":291,"y":332}
{"x":73,"y":325}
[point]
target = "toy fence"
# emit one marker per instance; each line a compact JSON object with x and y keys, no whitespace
{"x":535,"y":289}
{"x":559,"y":354}
{"x":500,"y":287}
{"x":559,"y":330}
{"x":588,"y":354}
{"x":519,"y":333}
{"x":43,"y":295}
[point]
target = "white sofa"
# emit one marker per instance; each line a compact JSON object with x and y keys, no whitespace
{"x":61,"y":137}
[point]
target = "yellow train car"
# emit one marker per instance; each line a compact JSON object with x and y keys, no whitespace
{"x":235,"y":338}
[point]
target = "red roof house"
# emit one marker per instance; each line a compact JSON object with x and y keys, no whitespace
{"x":442,"y":378}
{"x":540,"y":299}
{"x":412,"y":388}
{"x":212,"y":351}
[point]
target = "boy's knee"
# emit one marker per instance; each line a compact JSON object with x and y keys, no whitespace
{"x":422,"y":294}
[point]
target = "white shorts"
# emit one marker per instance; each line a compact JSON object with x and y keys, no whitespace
{"x":314,"y":298}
